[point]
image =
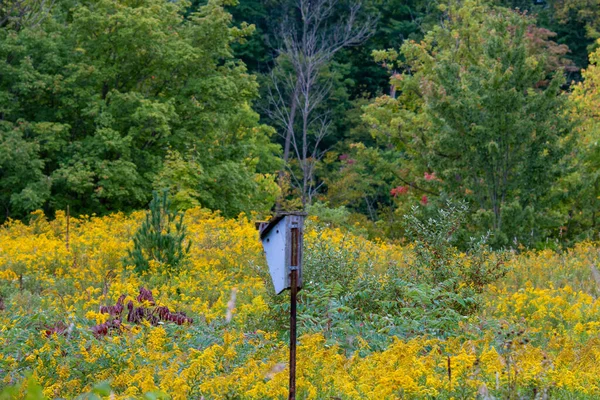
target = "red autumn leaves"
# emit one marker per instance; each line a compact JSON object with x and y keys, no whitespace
{"x":402,"y":190}
{"x":399,"y":190}
{"x":346,"y":158}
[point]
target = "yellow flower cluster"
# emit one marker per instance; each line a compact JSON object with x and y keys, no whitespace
{"x":539,"y":330}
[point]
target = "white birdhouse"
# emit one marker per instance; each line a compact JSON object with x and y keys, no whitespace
{"x":282,"y":239}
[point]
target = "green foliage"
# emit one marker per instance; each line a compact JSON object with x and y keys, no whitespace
{"x":29,"y":389}
{"x":343,"y":217}
{"x":482,"y":109}
{"x":230,"y":187}
{"x":443,"y":286}
{"x":361,"y":177}
{"x":23,"y":186}
{"x":437,"y":260}
{"x":102,"y":101}
{"x":433,"y":242}
{"x":161,"y":238}
{"x":352,"y":76}
{"x":574,"y":21}
{"x":324,"y":262}
{"x":438,"y":288}
{"x":585,"y":178}
{"x":335,"y":216}
{"x":95,"y":94}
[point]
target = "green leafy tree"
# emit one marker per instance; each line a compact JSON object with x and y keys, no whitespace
{"x":232,"y":187}
{"x":481,"y":114}
{"x":584,"y":207}
{"x":23,"y":185}
{"x":99,"y":91}
{"x":22,"y":13}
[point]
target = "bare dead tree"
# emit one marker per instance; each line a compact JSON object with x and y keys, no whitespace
{"x":308,"y":42}
{"x":21,"y":13}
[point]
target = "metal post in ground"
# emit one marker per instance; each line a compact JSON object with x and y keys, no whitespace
{"x":293,"y":294}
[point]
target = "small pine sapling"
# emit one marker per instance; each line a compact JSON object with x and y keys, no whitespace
{"x":161,"y":238}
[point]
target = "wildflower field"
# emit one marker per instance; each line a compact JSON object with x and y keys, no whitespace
{"x":76,"y":320}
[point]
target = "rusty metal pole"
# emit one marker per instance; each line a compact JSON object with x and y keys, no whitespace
{"x":293,"y":294}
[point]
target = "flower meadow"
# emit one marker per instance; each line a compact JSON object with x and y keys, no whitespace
{"x":76,"y":320}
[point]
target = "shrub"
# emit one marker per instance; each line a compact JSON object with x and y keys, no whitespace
{"x":438,"y":261}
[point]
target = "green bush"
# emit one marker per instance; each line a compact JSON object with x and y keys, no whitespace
{"x":437,"y":259}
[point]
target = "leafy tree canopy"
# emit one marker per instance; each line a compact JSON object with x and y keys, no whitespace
{"x":93,"y":97}
{"x":480,"y":115}
{"x":585,"y":178}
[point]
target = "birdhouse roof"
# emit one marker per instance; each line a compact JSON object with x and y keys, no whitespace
{"x":275,"y":220}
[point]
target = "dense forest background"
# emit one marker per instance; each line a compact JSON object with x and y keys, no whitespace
{"x":357,"y":110}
